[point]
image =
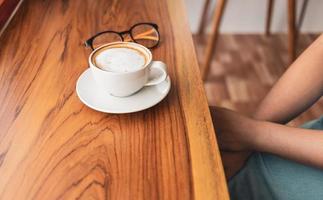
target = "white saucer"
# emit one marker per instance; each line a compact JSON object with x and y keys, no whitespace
{"x":97,"y":99}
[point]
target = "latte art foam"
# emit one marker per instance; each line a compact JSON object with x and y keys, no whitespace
{"x":120,"y":59}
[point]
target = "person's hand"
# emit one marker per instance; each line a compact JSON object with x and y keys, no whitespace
{"x":234,"y":131}
{"x":234,"y":135}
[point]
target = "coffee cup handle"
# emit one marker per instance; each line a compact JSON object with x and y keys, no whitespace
{"x":158,"y":71}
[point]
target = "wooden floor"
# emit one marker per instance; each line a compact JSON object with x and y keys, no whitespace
{"x":244,"y":69}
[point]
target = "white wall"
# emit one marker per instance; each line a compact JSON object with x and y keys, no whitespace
{"x":248,"y":16}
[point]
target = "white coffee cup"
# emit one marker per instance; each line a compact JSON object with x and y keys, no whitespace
{"x":122,"y":84}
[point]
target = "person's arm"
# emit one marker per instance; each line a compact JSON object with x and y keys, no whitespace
{"x":236,"y":132}
{"x":301,"y":145}
{"x":299,"y":87}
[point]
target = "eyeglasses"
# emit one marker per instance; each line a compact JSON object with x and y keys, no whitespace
{"x":146,"y":34}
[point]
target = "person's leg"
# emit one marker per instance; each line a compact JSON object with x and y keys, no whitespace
{"x":267,"y":176}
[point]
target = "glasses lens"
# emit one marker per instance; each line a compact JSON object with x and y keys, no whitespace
{"x":145,"y":34}
{"x":105,"y":38}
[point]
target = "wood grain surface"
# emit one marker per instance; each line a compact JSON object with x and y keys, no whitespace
{"x":54,"y":147}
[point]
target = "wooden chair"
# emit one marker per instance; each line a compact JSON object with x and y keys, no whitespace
{"x":216,"y":21}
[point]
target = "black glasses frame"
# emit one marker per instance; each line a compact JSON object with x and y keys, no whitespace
{"x":89,"y":42}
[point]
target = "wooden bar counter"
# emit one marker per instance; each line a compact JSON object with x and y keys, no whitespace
{"x":54,"y":147}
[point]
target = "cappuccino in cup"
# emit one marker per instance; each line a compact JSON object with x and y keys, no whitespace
{"x":123,"y":68}
{"x":119,"y":59}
